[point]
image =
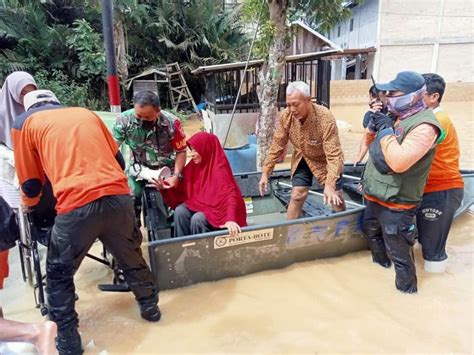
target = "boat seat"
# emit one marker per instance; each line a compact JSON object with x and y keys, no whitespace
{"x":266,"y":218}
{"x":311,"y":208}
{"x":352,"y":186}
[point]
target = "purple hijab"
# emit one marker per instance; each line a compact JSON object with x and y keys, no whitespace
{"x":10,"y":103}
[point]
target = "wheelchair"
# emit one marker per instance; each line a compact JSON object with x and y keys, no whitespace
{"x":35,"y":232}
{"x":157,"y":216}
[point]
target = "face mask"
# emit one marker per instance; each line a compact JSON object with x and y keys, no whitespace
{"x":399,"y":105}
{"x":148,"y":124}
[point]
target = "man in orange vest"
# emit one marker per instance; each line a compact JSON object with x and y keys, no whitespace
{"x":73,"y":148}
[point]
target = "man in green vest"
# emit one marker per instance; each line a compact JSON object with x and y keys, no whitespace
{"x":401,"y":152}
{"x":156,"y":140}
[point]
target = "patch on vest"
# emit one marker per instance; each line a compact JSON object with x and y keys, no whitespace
{"x":431,"y":214}
{"x":399,"y":131}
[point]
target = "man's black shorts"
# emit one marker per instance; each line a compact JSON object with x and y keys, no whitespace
{"x":304,"y":177}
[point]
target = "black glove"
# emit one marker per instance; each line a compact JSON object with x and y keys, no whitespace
{"x":381,"y":121}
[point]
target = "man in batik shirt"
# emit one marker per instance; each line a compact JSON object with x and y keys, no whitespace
{"x":317,"y":150}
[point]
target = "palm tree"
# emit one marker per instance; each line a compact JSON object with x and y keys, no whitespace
{"x":64,"y":36}
{"x":36,"y":42}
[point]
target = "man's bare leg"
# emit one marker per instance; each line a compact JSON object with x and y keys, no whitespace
{"x":41,"y":335}
{"x":298,"y":196}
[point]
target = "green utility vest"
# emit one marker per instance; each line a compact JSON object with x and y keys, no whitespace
{"x":407,"y":187}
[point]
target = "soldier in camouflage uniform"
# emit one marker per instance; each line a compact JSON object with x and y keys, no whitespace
{"x":155,"y":138}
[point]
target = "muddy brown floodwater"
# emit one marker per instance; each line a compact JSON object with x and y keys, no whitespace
{"x":345,"y":304}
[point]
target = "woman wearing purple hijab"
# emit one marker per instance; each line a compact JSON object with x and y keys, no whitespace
{"x":16,"y":86}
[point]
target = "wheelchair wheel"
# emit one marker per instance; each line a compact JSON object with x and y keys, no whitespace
{"x":39,"y":281}
{"x":155,"y":215}
{"x":24,"y":247}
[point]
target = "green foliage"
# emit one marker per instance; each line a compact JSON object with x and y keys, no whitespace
{"x":69,"y":93}
{"x":87,"y":44}
{"x":182,"y":117}
{"x":37,"y":43}
{"x":254,"y":11}
{"x":9,"y":62}
{"x":319,"y":14}
{"x":61,"y":40}
{"x":196,"y":33}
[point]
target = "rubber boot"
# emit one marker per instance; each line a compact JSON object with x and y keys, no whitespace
{"x":149,"y":310}
{"x":405,"y":281}
{"x":68,"y":342}
{"x":379,"y":255}
{"x":403,"y":259}
{"x":373,"y":233}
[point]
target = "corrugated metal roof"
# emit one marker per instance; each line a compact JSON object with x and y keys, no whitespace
{"x":317,"y":34}
{"x":259,"y":62}
{"x":147,"y":72}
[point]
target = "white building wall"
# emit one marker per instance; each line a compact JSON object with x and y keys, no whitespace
{"x":427,"y":36}
{"x":412,"y":24}
{"x":364,"y":31}
{"x":363,"y":34}
{"x":394,"y":59}
{"x":421,"y":35}
{"x":455,"y":62}
{"x":457,"y":22}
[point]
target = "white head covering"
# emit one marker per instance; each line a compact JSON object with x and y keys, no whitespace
{"x":36,"y":96}
{"x":10,"y":103}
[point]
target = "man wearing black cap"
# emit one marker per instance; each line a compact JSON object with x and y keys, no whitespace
{"x":401,"y":153}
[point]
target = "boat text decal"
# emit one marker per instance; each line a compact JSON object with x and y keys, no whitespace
{"x":243,"y":238}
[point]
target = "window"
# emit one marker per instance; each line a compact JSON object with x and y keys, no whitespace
{"x":338,"y":31}
{"x":351,"y":25}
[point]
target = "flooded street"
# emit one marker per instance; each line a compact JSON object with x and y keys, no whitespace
{"x":345,"y":304}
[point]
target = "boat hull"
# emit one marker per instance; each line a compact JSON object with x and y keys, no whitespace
{"x":276,"y":243}
{"x":270,"y":242}
{"x":213,"y":256}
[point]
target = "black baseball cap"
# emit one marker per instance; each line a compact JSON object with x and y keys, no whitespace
{"x":405,"y":81}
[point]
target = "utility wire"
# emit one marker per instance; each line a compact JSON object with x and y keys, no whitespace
{"x":245,"y":73}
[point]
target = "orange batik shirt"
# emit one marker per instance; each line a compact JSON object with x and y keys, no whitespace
{"x":316,"y":140}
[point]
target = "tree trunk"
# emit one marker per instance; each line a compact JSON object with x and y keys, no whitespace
{"x":120,"y":48}
{"x":270,"y":79}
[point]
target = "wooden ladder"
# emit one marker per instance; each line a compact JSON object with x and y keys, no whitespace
{"x":181,"y":98}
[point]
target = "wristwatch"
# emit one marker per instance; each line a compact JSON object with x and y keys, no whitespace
{"x":179,"y":176}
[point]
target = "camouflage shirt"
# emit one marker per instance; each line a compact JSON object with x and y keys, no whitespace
{"x":155,"y":147}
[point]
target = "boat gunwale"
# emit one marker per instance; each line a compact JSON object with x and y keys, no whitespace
{"x":465,"y":173}
{"x":305,"y":220}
